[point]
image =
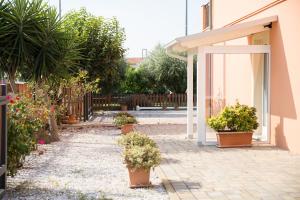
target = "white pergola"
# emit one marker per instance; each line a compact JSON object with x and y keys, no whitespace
{"x":201,"y":44}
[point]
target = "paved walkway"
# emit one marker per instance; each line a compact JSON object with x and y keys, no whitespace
{"x":210,"y":173}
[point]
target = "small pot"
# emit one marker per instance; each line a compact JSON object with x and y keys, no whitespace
{"x":139,"y":178}
{"x":124,"y":108}
{"x":127,"y":128}
{"x":234,"y":139}
{"x":72,"y":119}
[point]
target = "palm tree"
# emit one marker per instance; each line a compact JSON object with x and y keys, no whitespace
{"x":32,"y":41}
{"x":19,"y":35}
{"x":33,"y":44}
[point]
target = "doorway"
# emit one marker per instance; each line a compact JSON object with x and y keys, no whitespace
{"x":238,"y":74}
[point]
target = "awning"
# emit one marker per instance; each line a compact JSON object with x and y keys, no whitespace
{"x":220,"y":35}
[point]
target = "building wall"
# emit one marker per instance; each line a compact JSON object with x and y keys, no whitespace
{"x":285,"y":67}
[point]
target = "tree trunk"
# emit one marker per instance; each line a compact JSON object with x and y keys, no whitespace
{"x":53,"y":127}
{"x":12,"y":81}
{"x":52,"y":121}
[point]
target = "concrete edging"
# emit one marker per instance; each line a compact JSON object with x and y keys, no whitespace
{"x":166,"y":183}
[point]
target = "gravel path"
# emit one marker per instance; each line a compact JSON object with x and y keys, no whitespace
{"x":85,"y":164}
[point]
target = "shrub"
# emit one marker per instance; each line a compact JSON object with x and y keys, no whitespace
{"x":237,"y":118}
{"x":122,"y":120}
{"x":144,"y":157}
{"x":26,"y":119}
{"x":121,"y":114}
{"x":136,"y":139}
{"x":60,"y":113}
{"x":140,"y":151}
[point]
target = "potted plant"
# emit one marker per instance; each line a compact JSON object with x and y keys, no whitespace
{"x":140,"y":155}
{"x":74,"y":89}
{"x":124,"y":107}
{"x":125,"y":101}
{"x":235,"y":125}
{"x":125,"y":122}
{"x":119,"y":114}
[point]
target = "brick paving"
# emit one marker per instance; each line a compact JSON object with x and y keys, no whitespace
{"x":210,"y":173}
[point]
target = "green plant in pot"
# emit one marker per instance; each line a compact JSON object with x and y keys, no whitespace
{"x":120,"y":114}
{"x":140,"y":155}
{"x":125,"y":122}
{"x":135,"y":139}
{"x":124,"y":103}
{"x":234,"y":125}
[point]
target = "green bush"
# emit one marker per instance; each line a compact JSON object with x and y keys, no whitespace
{"x":144,"y":157}
{"x":237,"y":118}
{"x":122,"y":120}
{"x":121,"y":114}
{"x":26,"y":119}
{"x":136,"y":139}
{"x":140,"y":151}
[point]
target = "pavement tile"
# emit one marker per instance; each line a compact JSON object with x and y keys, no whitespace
{"x":212,"y":173}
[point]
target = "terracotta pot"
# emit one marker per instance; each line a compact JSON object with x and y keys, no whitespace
{"x":127,"y":128}
{"x":72,"y":119}
{"x":124,"y":108}
{"x":234,"y":139}
{"x":139,"y":178}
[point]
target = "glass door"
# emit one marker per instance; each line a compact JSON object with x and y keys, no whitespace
{"x":238,"y":77}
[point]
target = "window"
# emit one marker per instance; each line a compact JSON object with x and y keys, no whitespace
{"x":206,"y":16}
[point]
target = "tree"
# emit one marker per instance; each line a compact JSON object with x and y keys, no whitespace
{"x":34,"y":45}
{"x":170,"y":72}
{"x":100,"y":41}
{"x":136,"y":81}
{"x":159,"y":73}
{"x":20,"y":33}
{"x":32,"y":41}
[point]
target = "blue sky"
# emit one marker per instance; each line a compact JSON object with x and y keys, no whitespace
{"x":146,"y":22}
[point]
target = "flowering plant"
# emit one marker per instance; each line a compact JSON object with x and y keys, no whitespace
{"x":26,"y":118}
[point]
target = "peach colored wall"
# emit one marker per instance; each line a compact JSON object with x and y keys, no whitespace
{"x":285,"y":65}
{"x":224,"y":12}
{"x":228,"y":87}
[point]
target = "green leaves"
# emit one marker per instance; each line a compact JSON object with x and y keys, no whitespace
{"x":123,"y":119}
{"x":136,"y":139}
{"x":32,"y":41}
{"x":22,"y":21}
{"x":26,"y":118}
{"x":235,"y":118}
{"x":159,"y":73}
{"x":144,"y":157}
{"x":140,"y":151}
{"x":101,"y":44}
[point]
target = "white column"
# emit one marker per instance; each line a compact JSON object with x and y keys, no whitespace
{"x":201,"y":96}
{"x":190,"y":94}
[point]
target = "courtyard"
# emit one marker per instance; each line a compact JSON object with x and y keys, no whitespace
{"x":87,"y":163}
{"x":145,"y":100}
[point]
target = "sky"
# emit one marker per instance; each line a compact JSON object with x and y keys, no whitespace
{"x":146,"y":22}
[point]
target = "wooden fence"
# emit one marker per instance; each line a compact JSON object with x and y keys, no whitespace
{"x":3,"y":139}
{"x":21,"y":88}
{"x":88,"y":106}
{"x":164,"y":101}
{"x":80,"y":105}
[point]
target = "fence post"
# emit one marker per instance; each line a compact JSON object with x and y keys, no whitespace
{"x":91,"y":102}
{"x":85,"y":108}
{"x":3,"y":143}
